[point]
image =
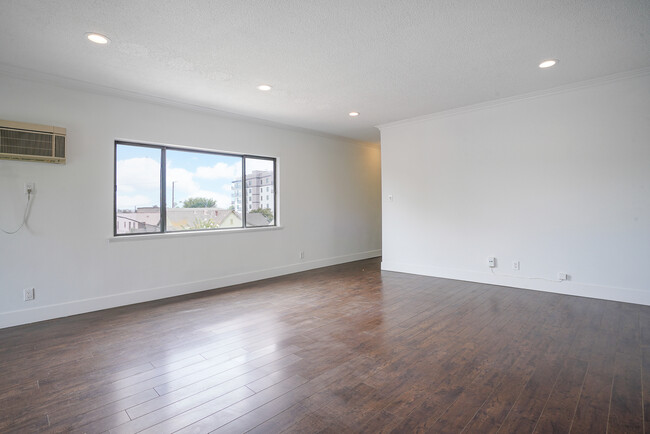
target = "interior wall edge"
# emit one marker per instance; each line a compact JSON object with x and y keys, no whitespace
{"x":610,"y":293}
{"x":76,"y":307}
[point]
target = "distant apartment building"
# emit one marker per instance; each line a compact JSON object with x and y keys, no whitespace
{"x":259,"y":191}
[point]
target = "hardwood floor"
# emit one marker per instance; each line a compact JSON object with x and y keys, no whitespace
{"x":340,"y":349}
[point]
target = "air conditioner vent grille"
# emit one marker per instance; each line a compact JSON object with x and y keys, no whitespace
{"x":31,"y":142}
{"x":59,"y":146}
{"x":25,"y":143}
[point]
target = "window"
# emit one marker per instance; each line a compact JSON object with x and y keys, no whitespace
{"x":165,"y":189}
{"x":257,"y":170}
{"x":137,"y":193}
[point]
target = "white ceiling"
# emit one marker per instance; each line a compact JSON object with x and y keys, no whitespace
{"x":387,"y":59}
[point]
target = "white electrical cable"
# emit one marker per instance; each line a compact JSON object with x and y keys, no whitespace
{"x":29,"y":197}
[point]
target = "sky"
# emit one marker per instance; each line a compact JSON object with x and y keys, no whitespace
{"x":193,"y":174}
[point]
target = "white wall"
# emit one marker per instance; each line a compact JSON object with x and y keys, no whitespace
{"x":329,"y":206}
{"x":559,"y":182}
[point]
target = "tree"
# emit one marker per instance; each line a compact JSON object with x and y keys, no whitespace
{"x":266,"y":212}
{"x":199,"y":202}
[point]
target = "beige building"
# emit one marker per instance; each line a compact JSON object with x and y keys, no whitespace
{"x":178,"y":219}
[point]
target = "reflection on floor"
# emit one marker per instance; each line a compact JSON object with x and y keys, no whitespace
{"x":346,"y":348}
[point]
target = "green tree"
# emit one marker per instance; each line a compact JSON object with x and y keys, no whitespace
{"x":266,"y":212}
{"x":199,"y":202}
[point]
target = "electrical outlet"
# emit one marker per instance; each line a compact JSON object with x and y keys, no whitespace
{"x":492,"y":261}
{"x":28,"y":294}
{"x":29,"y":188}
{"x":562,"y":276}
{"x":515,"y":265}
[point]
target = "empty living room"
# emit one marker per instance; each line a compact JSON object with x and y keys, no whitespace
{"x":324,"y":216}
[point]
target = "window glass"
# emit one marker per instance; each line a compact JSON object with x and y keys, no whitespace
{"x":137,"y":193}
{"x":201,"y":191}
{"x":260,"y":171}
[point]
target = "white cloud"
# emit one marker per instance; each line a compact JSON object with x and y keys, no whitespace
{"x":257,"y":164}
{"x":183,"y":180}
{"x":189,"y":184}
{"x":126,"y":188}
{"x":138,"y":181}
{"x":219,"y":171}
{"x":138,"y":173}
{"x":210,"y":182}
{"x":131,"y":202}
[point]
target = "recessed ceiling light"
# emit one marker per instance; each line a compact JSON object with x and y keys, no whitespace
{"x":97,"y":38}
{"x":354,"y":114}
{"x":264,"y":87}
{"x":548,"y":63}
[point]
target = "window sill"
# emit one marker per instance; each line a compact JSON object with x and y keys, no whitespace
{"x":169,"y":235}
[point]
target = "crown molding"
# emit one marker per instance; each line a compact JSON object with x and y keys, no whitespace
{"x":600,"y":81}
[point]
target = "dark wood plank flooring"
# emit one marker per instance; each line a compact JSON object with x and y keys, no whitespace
{"x":340,"y":349}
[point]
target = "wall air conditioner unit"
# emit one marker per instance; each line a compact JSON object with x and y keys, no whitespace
{"x":31,"y":142}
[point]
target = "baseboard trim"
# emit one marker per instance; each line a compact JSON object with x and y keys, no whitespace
{"x":611,"y":293}
{"x":42,"y":313}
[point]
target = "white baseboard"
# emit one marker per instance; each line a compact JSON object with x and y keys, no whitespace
{"x":566,"y":287}
{"x":42,"y":313}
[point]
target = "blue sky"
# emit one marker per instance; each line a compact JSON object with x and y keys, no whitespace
{"x":194,"y":174}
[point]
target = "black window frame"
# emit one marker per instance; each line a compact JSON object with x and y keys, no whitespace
{"x":163,"y":187}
